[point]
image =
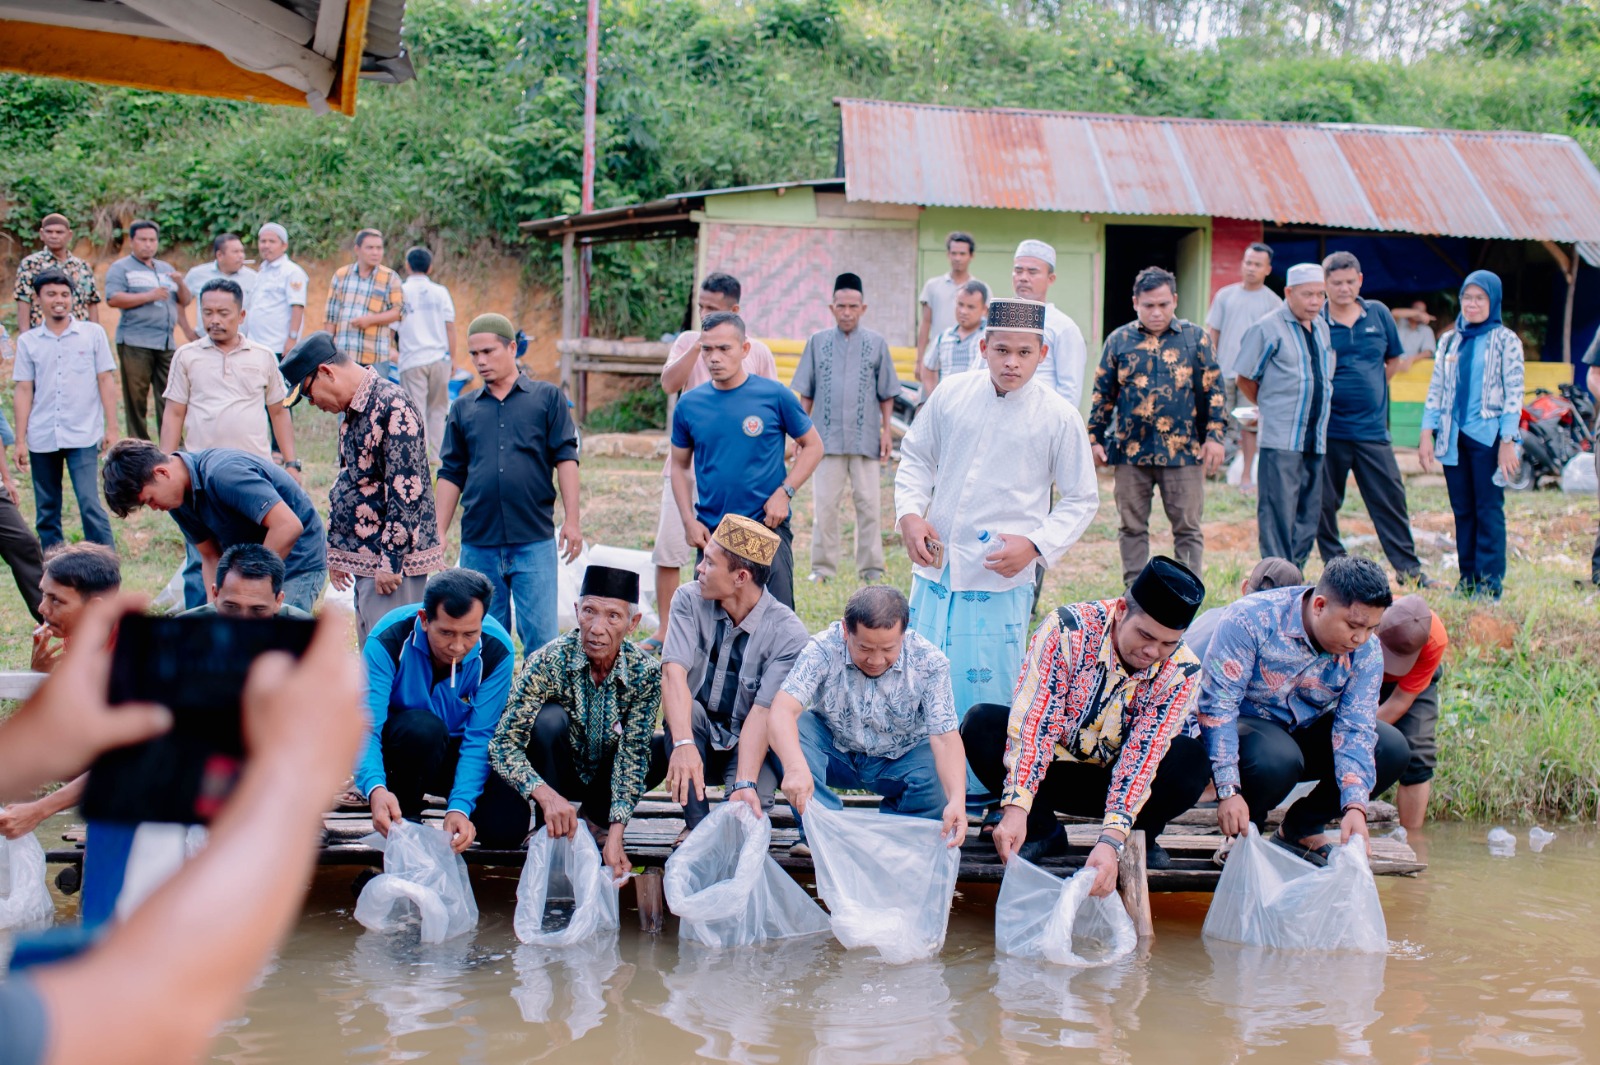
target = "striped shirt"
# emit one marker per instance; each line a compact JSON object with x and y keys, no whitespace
{"x":1076,"y":702}
{"x":351,"y":296}
{"x":1275,"y":355}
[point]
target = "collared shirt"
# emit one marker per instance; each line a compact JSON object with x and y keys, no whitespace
{"x":738,"y":436}
{"x":951,"y":353}
{"x":1157,"y":399}
{"x":1234,"y":309}
{"x":612,"y":720}
{"x":425,"y":328}
{"x":885,"y":716}
{"x":199,"y":276}
{"x":1261,"y":663}
{"x":1417,"y":337}
{"x":847,"y":377}
{"x":1067,"y":356}
{"x":280,"y":287}
{"x":1359,"y":408}
{"x":381,"y":516}
{"x":976,"y":461}
{"x":227,"y":394}
{"x":939,"y":296}
{"x":502,"y":454}
{"x":80,"y":273}
{"x":231,"y":492}
{"x":732,"y":667}
{"x":1077,"y":702}
{"x":1492,"y":376}
{"x":1276,"y":355}
{"x":351,"y":296}
{"x":148,"y":325}
{"x":65,"y":370}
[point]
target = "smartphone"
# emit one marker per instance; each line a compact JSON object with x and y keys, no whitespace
{"x":936,"y":549}
{"x":196,"y":667}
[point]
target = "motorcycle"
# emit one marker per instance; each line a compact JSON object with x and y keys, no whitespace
{"x":1554,"y":429}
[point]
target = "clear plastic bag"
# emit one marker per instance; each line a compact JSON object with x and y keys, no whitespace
{"x":421,"y":875}
{"x":24,"y":894}
{"x":888,"y":880}
{"x":726,"y":889}
{"x":1267,"y":897}
{"x":1039,"y":915}
{"x":566,"y":894}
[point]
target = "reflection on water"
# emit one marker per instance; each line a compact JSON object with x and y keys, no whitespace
{"x":1495,"y":960}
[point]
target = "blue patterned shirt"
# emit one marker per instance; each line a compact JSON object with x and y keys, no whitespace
{"x":1261,"y":663}
{"x":884,"y":716}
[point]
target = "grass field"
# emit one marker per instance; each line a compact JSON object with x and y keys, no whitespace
{"x":1520,"y":728}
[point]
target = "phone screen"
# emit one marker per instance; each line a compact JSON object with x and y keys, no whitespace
{"x":196,"y":667}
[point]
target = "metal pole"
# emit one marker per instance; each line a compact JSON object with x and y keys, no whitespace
{"x":591,"y":74}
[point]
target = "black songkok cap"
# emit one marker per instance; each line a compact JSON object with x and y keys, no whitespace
{"x":849,"y":281}
{"x":611,"y":583}
{"x":1167,"y":591}
{"x":1016,"y":316}
{"x":315,"y":350}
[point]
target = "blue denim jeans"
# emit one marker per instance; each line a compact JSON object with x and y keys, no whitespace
{"x":524,"y":579}
{"x":83,"y":465}
{"x":195,"y":591}
{"x":909,"y":784}
{"x":8,"y":435}
{"x":301,"y":592}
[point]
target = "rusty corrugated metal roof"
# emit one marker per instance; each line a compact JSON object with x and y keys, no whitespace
{"x":1520,"y":186}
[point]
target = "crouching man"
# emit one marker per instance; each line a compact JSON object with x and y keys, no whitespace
{"x":249,"y":585}
{"x":867,"y":705}
{"x":580,"y":721}
{"x":1095,"y":727}
{"x":438,"y":673}
{"x":1291,"y":694}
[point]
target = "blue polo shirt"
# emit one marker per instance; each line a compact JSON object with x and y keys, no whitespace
{"x":1360,"y":407}
{"x":738,"y":439}
{"x":232,"y":490}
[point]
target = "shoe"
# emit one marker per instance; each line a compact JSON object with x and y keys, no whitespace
{"x":1156,"y":856}
{"x":800,"y":850}
{"x":1054,"y":845}
{"x":872,"y":576}
{"x":1418,"y":580}
{"x":817,"y":578}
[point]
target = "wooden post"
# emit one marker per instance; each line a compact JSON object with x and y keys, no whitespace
{"x":647,"y":892}
{"x":1133,"y":885}
{"x":1572,"y":295}
{"x":569,"y":307}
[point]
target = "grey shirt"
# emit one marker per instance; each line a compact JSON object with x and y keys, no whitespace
{"x":1276,"y":355}
{"x":732,"y":667}
{"x":846,"y":377}
{"x":148,"y":325}
{"x":1234,"y":310}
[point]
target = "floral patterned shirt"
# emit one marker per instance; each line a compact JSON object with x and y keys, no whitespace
{"x":1157,"y":399}
{"x":1076,"y":702}
{"x":80,"y":273}
{"x":882,"y":717}
{"x":381,"y":517}
{"x":611,"y":719}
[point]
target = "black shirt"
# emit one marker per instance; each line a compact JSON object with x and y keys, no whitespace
{"x":502,"y":454}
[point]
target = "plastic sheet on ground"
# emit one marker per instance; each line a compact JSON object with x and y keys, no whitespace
{"x":726,"y":889}
{"x":566,"y":894}
{"x":888,"y":880}
{"x":24,"y":895}
{"x":569,"y":579}
{"x":422,"y":878}
{"x":1267,"y":897}
{"x":1039,"y":915}
{"x":1578,"y":475}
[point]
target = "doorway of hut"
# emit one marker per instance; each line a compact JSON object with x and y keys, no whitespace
{"x":1129,"y":249}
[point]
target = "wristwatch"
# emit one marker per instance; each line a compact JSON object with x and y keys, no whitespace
{"x":787,"y":490}
{"x":1226,"y":791}
{"x":1118,"y":845}
{"x":293,"y":464}
{"x":740,"y":785}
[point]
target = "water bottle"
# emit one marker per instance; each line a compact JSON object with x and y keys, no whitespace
{"x":987,"y":538}
{"x":1538,"y":838}
{"x":1502,"y":844}
{"x":1499,"y":478}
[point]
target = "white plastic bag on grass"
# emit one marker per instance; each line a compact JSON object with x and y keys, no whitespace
{"x":726,"y":889}
{"x":1578,"y":475}
{"x":421,"y":876}
{"x":24,"y":894}
{"x":1267,"y":897}
{"x":1039,"y":915}
{"x":887,"y":879}
{"x":565,"y":895}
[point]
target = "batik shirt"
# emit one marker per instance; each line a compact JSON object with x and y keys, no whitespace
{"x":885,"y":716}
{"x":80,"y":273}
{"x":1157,"y":399}
{"x":610,"y":720}
{"x":1076,"y":702}
{"x":381,"y":516}
{"x":1262,"y":664}
{"x":351,"y":296}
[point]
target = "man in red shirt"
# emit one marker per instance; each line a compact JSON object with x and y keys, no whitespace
{"x":1414,"y":642}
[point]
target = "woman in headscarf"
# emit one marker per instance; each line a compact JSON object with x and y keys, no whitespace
{"x":1470,"y":425}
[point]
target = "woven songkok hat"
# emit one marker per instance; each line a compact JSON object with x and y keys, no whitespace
{"x":1016,"y":316}
{"x":747,"y":539}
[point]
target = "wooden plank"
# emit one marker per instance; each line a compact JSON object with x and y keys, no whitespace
{"x":623,"y":349}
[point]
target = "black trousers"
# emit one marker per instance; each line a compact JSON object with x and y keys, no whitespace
{"x":1272,"y":760}
{"x":721,"y":767}
{"x":20,"y":548}
{"x":1288,"y":503}
{"x":1382,"y":490}
{"x":550,"y":754}
{"x":420,"y":757}
{"x":1078,"y":788}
